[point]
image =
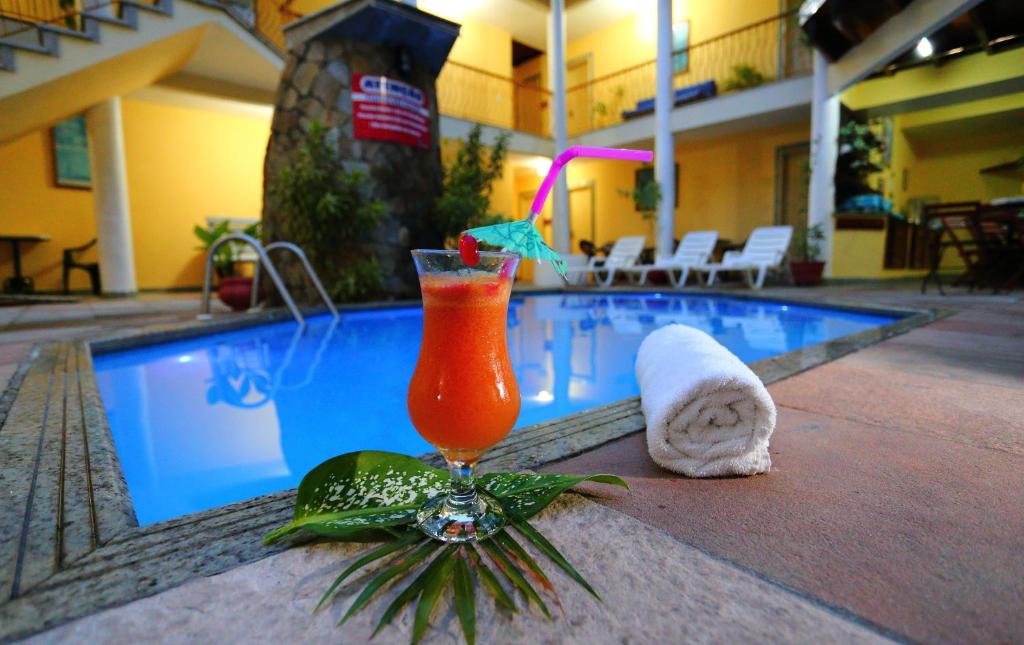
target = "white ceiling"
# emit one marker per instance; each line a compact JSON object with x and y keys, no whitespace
{"x":527,"y":20}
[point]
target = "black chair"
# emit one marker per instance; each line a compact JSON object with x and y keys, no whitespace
{"x":92,"y":268}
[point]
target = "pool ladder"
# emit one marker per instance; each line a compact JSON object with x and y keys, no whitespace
{"x":264,"y":260}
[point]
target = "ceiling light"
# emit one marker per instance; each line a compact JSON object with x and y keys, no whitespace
{"x":924,"y":48}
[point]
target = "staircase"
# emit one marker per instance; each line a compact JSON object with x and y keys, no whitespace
{"x":55,"y":62}
{"x":44,"y":34}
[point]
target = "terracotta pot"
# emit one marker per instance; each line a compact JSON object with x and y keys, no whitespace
{"x":235,"y":292}
{"x":806,"y":274}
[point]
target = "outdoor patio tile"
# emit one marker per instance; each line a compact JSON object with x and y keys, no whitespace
{"x":965,"y":412}
{"x":920,"y":535}
{"x":38,"y":334}
{"x":14,"y":353}
{"x":9,"y":314}
{"x":980,"y":343}
{"x":942,"y":362}
{"x":6,"y":372}
{"x":655,"y":589}
{"x":37,"y":314}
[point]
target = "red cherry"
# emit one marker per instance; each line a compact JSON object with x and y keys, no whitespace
{"x":469,"y":250}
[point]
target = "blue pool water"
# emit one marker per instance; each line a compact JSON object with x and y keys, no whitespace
{"x":204,"y":422}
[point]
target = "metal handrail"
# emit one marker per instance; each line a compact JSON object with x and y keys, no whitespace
{"x":204,"y":308}
{"x":294,"y":248}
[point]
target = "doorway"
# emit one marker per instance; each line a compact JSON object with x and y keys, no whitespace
{"x":792,"y":177}
{"x":530,"y":105}
{"x":577,"y":101}
{"x":582,"y":215}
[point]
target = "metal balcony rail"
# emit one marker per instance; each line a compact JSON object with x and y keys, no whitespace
{"x":477,"y":95}
{"x":771,"y":48}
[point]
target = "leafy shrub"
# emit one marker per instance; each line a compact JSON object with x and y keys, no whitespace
{"x":466,"y":199}
{"x":744,"y":77}
{"x":326,"y":210}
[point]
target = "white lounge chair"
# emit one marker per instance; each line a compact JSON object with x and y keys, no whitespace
{"x":694,"y":249}
{"x":624,"y":254}
{"x":765,"y":249}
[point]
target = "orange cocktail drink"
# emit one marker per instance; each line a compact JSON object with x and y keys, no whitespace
{"x":463,"y":397}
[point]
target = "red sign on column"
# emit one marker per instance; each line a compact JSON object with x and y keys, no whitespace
{"x":389,"y":110}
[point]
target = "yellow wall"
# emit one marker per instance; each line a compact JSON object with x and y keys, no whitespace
{"x":725,"y":184}
{"x":183,"y":165}
{"x":31,"y":205}
{"x":920,"y":82}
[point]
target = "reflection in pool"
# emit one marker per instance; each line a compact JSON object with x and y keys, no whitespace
{"x":204,"y":422}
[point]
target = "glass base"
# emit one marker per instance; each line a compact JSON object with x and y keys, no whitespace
{"x":472,"y":522}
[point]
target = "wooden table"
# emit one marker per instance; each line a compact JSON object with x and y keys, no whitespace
{"x":19,"y":283}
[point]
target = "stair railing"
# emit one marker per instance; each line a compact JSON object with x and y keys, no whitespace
{"x":294,"y":248}
{"x":204,"y":308}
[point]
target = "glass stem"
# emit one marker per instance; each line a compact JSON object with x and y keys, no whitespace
{"x":462,"y":494}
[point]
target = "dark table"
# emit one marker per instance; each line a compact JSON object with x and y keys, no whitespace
{"x":19,"y":283}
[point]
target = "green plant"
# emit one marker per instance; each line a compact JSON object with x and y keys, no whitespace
{"x":807,"y":242}
{"x":373,"y":496}
{"x":860,"y":148}
{"x":744,"y":77}
{"x":646,"y":198}
{"x":468,"y":181}
{"x":328,"y":212}
{"x":607,"y":112}
{"x":226,"y":256}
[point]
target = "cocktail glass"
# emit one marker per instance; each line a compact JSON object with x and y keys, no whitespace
{"x":463,"y":397}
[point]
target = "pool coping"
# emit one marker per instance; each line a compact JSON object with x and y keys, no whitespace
{"x":71,"y":543}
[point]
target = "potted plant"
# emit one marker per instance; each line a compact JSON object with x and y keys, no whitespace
{"x":860,"y":151}
{"x":806,"y":265}
{"x":744,"y":77}
{"x":233,"y":289}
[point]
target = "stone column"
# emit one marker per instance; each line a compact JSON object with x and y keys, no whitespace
{"x":824,"y":151}
{"x":556,"y":68}
{"x":110,"y":198}
{"x":664,"y":145}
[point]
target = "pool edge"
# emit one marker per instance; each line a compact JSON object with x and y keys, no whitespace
{"x":130,"y":562}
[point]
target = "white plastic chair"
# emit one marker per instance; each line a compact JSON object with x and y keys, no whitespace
{"x":624,"y":254}
{"x":765,"y":249}
{"x":694,"y":250}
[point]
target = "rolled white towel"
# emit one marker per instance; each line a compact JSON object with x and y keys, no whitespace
{"x":707,"y":413}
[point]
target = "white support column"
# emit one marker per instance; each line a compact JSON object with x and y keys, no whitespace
{"x":110,"y":196}
{"x":824,"y":150}
{"x":556,"y":70}
{"x":664,"y":145}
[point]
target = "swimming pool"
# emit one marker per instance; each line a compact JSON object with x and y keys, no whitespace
{"x":222,"y":418}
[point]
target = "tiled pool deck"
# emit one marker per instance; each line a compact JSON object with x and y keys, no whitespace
{"x":895,"y":510}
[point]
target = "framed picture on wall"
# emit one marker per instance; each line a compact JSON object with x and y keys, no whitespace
{"x":680,"y":42}
{"x":71,"y":154}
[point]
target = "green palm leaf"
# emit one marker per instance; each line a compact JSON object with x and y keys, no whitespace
{"x":548,"y":549}
{"x":513,"y":574}
{"x":520,"y":237}
{"x":465,"y":599}
{"x":376,"y":554}
{"x":490,"y":581}
{"x":398,"y":567}
{"x":412,"y":591}
{"x":432,"y":588}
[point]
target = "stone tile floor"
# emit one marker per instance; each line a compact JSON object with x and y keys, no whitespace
{"x":897,"y":488}
{"x":895,"y":508}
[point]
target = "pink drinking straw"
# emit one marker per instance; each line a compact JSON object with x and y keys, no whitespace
{"x":580,"y":151}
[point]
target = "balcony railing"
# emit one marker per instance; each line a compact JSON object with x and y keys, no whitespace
{"x":478,"y":95}
{"x":762,"y":52}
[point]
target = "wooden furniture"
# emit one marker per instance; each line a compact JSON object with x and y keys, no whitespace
{"x":19,"y":283}
{"x":953,"y":225}
{"x":92,"y":268}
